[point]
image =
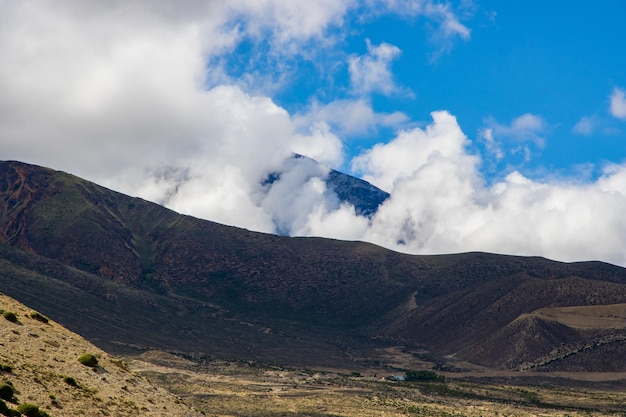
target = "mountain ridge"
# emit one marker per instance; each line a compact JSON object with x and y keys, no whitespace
{"x":185,"y":284}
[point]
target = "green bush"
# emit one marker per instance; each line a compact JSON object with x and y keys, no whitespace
{"x":29,"y":410}
{"x":6,"y":368}
{"x":39,"y":317}
{"x":88,"y":359}
{"x":4,"y":409}
{"x":6,"y":391}
{"x":11,"y":316}
{"x":70,"y":381}
{"x":427,"y":376}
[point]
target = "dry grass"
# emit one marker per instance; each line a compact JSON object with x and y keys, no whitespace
{"x":42,"y":354}
{"x":228,"y":389}
{"x":611,"y":316}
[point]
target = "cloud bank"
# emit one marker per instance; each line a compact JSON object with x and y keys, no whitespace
{"x":138,"y":96}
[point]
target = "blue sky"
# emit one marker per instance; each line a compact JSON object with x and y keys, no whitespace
{"x":495,"y":126}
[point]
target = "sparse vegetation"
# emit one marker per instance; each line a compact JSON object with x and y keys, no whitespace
{"x":4,"y":408}
{"x":10,"y":316}
{"x":6,"y":368}
{"x":48,"y":378}
{"x":31,"y":410}
{"x":88,"y":359}
{"x":39,"y":317}
{"x":70,"y":381}
{"x":6,"y":391}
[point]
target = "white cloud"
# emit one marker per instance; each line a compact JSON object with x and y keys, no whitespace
{"x":618,"y":104}
{"x":410,"y":151}
{"x":371,"y":73}
{"x":289,"y":21}
{"x":350,"y":117}
{"x":320,"y":144}
{"x":440,"y":204}
{"x":586,"y":125}
{"x":450,"y":26}
{"x":525,"y":128}
{"x":340,"y":223}
{"x":527,"y":125}
{"x":521,"y":138}
{"x":492,"y":146}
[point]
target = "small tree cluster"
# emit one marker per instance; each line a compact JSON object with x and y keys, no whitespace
{"x":423,"y":376}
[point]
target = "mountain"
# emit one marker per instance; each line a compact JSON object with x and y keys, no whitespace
{"x":365,"y":197}
{"x":128,"y":274}
{"x":39,"y":358}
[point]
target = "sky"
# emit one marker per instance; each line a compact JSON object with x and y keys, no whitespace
{"x":495,"y":126}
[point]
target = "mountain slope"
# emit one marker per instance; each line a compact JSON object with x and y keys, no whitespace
{"x":42,"y":355}
{"x":179,"y":283}
{"x":365,"y":197}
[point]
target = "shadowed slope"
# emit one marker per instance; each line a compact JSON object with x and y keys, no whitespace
{"x":192,"y":285}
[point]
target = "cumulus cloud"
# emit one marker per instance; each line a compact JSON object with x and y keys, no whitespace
{"x":128,"y":94}
{"x":440,"y":203}
{"x":371,"y":72}
{"x":289,"y":22}
{"x":618,"y":104}
{"x":116,"y":93}
{"x":410,"y":151}
{"x":320,"y":144}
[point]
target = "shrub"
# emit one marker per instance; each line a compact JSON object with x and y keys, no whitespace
{"x":423,"y":376}
{"x":6,"y":391}
{"x":88,"y":359}
{"x":11,"y":316}
{"x":4,"y":409}
{"x":70,"y":381}
{"x":39,"y":317}
{"x":6,"y":368}
{"x":29,"y":410}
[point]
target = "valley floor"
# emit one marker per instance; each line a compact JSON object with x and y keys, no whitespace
{"x":229,"y":388}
